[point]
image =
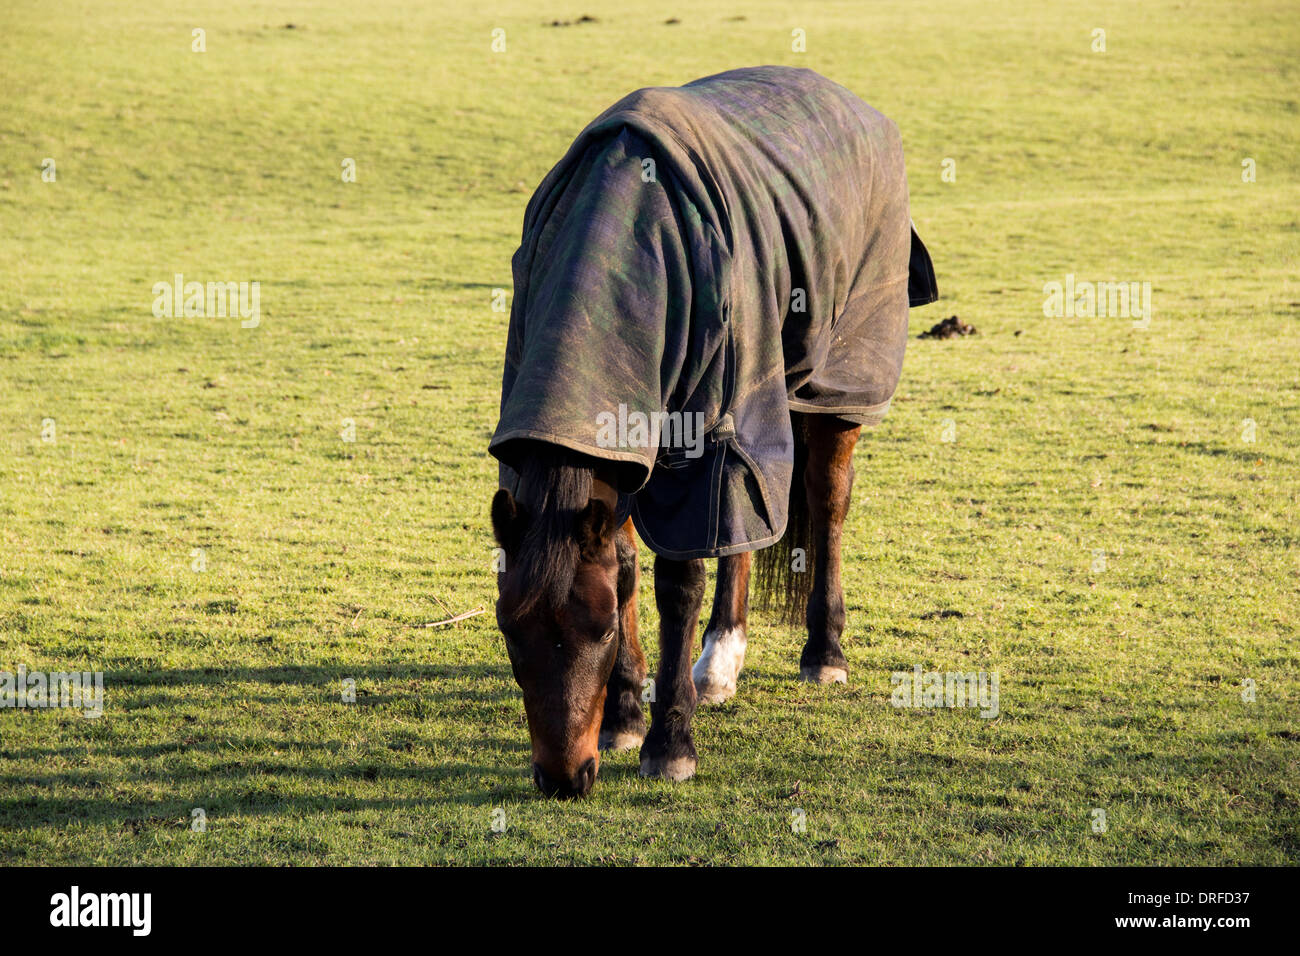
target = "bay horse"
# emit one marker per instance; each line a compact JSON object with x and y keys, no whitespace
{"x":735,"y":253}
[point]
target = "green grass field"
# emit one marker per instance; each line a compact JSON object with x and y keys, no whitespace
{"x":1121,"y":672}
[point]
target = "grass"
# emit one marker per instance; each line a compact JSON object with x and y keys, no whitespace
{"x":1121,"y":687}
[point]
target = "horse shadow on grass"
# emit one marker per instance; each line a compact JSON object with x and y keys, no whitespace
{"x":439,"y":754}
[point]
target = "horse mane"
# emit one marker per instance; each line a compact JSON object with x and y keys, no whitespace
{"x":554,"y":487}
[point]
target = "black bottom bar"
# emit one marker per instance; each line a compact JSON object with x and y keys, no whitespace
{"x":332,"y":906}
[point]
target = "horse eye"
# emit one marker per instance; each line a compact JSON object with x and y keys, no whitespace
{"x":610,"y":636}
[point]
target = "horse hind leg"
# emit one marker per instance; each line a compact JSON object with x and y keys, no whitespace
{"x":828,"y":484}
{"x":622,"y":726}
{"x":716,"y":672}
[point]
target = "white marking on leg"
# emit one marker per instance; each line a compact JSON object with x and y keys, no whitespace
{"x":824,"y":675}
{"x":716,"y":671}
{"x":675,"y":769}
{"x":620,"y":741}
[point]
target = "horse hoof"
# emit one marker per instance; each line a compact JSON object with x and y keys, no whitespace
{"x":818,"y":674}
{"x":711,"y":693}
{"x":676,"y":769}
{"x":622,"y":740}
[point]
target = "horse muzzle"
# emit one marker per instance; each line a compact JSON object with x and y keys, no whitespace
{"x":578,"y":785}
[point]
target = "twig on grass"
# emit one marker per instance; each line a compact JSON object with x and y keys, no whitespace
{"x":451,"y":620}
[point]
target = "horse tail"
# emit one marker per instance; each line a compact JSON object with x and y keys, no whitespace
{"x":784,"y":570}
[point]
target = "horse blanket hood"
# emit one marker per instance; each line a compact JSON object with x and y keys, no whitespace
{"x":705,"y":259}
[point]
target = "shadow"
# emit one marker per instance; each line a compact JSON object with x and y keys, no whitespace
{"x":313,"y":675}
{"x":438,"y":684}
{"x":399,"y":744}
{"x":20,"y":814}
{"x":1247,"y":456}
{"x":268,"y":774}
{"x":259,"y":786}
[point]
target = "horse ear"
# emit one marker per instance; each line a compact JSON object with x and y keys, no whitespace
{"x":596,"y":526}
{"x":508,"y":520}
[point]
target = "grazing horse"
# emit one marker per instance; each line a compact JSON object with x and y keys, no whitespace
{"x":710,"y":302}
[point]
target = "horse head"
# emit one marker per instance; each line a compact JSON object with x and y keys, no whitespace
{"x":558,"y":613}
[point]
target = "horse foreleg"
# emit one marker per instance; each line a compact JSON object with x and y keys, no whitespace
{"x":669,"y":751}
{"x":828,"y":482}
{"x":716,"y":671}
{"x":623,"y":725}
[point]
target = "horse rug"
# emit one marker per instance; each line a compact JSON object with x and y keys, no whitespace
{"x":704,"y":260}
